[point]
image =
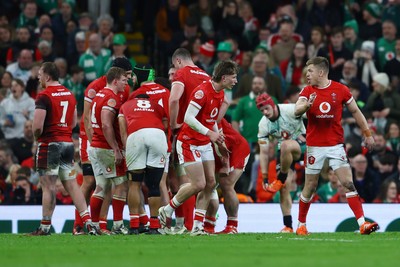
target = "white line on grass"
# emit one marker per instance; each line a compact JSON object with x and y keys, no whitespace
{"x":324,"y":239}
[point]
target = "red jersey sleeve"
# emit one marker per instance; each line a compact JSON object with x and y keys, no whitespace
{"x":42,"y":102}
{"x":305,"y":92}
{"x":198,"y":98}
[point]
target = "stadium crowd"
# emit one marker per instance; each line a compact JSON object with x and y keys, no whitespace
{"x":270,"y":43}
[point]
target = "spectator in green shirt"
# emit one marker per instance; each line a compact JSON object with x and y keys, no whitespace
{"x":329,"y":189}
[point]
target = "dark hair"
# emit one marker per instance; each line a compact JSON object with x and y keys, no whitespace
{"x":388,"y":159}
{"x":114,"y":73}
{"x":142,"y":96}
{"x":354,"y":85}
{"x":320,"y":62}
{"x":227,"y":67}
{"x":22,"y":178}
{"x":337,"y":30}
{"x":163,"y":81}
{"x":182,"y":53}
{"x":293,"y":89}
{"x":75,"y":69}
{"x":24,"y":171}
{"x":191,"y":21}
{"x":46,"y":26}
{"x":122,"y":62}
{"x":384,"y":188}
{"x":51,"y":69}
{"x":19,"y":82}
{"x":285,"y":19}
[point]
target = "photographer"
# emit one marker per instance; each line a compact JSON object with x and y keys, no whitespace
{"x":24,"y":193}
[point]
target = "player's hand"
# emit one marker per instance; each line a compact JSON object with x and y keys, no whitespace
{"x":265,"y":181}
{"x":216,"y":137}
{"x":175,"y":127}
{"x":223,"y":150}
{"x":265,"y":185}
{"x":89,"y":134}
{"x":369,"y":142}
{"x":118,"y":156}
{"x":311,"y":99}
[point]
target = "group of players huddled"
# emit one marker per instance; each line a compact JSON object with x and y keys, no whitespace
{"x":177,"y":142}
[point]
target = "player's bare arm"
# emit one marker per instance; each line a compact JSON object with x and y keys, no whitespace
{"x":264,"y":161}
{"x":86,"y":120}
{"x":176,"y":94}
{"x":362,"y":123}
{"x":107,"y":120}
{"x":303,"y":105}
{"x":223,"y":109}
{"x":38,"y":122}
{"x":75,"y":118}
{"x":190,"y":119}
{"x":122,"y":129}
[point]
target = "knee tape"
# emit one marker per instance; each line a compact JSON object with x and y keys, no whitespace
{"x":152,"y":181}
{"x":104,"y":184}
{"x":214,"y":194}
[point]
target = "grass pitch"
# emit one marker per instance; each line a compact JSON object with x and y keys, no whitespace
{"x":245,"y":250}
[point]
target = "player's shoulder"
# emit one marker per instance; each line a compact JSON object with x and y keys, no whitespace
{"x":339,"y":88}
{"x":97,"y":84}
{"x":287,"y":108}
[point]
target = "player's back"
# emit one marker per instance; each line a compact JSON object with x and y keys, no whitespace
{"x":156,"y":92}
{"x":190,"y":77}
{"x":60,"y":104}
{"x":143,"y":113}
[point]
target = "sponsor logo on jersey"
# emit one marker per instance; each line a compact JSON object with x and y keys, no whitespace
{"x":199,"y":94}
{"x":154,"y":92}
{"x":325,"y":107}
{"x":214,"y":112}
{"x":199,"y":72}
{"x":61,"y":94}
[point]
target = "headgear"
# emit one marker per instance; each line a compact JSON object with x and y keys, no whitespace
{"x":263,"y":100}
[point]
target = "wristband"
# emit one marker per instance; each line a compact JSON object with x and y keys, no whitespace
{"x":367,"y":133}
{"x":265,"y":178}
